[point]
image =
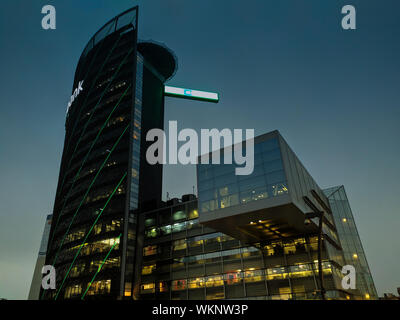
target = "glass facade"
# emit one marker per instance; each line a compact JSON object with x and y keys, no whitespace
{"x":219,"y":187}
{"x":137,"y":120}
{"x":184,"y":260}
{"x":92,"y":240}
{"x":351,"y":243}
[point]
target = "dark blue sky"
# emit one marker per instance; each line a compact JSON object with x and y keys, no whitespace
{"x":286,"y":65}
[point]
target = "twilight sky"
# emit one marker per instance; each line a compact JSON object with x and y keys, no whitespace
{"x":286,"y":65}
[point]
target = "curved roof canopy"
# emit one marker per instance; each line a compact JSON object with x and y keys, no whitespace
{"x":160,"y":57}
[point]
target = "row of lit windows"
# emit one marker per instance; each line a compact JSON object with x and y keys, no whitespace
{"x":83,"y":185}
{"x":92,"y":166}
{"x":183,"y":244}
{"x":295,"y":271}
{"x":92,"y":248}
{"x":99,"y":287}
{"x":89,"y":136}
{"x":72,"y":291}
{"x":274,"y":248}
{"x":96,"y":195}
{"x":232,"y":278}
{"x":244,"y":197}
{"x":80,"y":268}
{"x":97,"y":229}
{"x":101,"y":196}
{"x":176,"y":216}
{"x":168,"y":229}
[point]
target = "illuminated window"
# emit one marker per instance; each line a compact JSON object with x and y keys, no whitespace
{"x":196,"y":283}
{"x":252,"y":275}
{"x":151,"y":233}
{"x":163,"y":286}
{"x":150,"y":222}
{"x":179,"y":245}
{"x":148,"y":269}
{"x":195,"y":243}
{"x":193,"y":214}
{"x":179,"y":215}
{"x":73,"y":291}
{"x":128,"y":289}
{"x":233,"y":278}
{"x":178,"y":285}
{"x":166,"y":229}
{"x":97,"y":228}
{"x":147,"y":288}
{"x":100,"y":287}
{"x":214,"y":281}
{"x":285,"y":293}
{"x":149,"y":250}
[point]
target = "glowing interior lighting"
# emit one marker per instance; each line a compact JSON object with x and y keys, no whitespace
{"x":191,"y":94}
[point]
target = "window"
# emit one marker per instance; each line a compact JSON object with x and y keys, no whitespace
{"x":151,"y":233}
{"x":100,"y":287}
{"x":193,"y":214}
{"x":196,"y":283}
{"x":179,"y":245}
{"x":149,"y":250}
{"x":166,"y":230}
{"x":148,"y":269}
{"x":178,"y":285}
{"x":73,"y":291}
{"x":179,"y":215}
{"x":147,"y":288}
{"x":229,"y":201}
{"x":128,"y":289}
{"x":277,"y":176}
{"x":177,"y":227}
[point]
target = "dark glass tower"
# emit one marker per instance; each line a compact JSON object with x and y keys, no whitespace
{"x":117,"y":97}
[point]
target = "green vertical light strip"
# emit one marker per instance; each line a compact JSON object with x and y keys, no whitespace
{"x":87,"y":235}
{"x":98,"y":270}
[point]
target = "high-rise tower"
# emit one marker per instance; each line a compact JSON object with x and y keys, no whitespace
{"x":118,"y":95}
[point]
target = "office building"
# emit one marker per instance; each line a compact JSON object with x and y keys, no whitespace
{"x":118,"y":95}
{"x":246,"y":236}
{"x":36,"y":284}
{"x":351,"y":243}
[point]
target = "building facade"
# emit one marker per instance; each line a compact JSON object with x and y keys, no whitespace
{"x":351,"y":243}
{"x":183,"y":259}
{"x":246,"y":236}
{"x":118,"y":95}
{"x":111,"y":237}
{"x":34,"y":291}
